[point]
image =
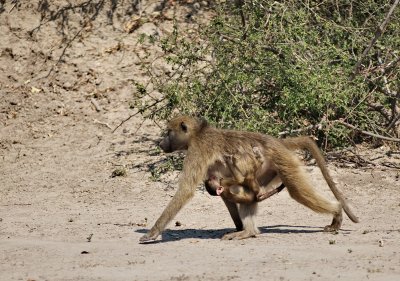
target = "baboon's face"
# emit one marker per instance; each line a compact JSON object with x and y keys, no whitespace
{"x":213,"y":185}
{"x":176,"y":138}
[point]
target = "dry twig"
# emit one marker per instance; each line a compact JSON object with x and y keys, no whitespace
{"x":341,"y":122}
{"x":139,"y":112}
{"x":102,"y":123}
{"x":96,"y":105}
{"x":311,"y":127}
{"x":378,"y":33}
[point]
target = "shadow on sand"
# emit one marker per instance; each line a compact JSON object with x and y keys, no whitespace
{"x":173,"y":235}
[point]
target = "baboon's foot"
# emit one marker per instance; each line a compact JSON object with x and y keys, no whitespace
{"x":264,"y":195}
{"x":239,"y":235}
{"x":331,"y":228}
{"x":335,"y":225}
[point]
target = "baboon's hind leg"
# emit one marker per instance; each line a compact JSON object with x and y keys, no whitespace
{"x":234,"y":212}
{"x":300,"y":188}
{"x":238,"y":235}
{"x":336,"y":223}
{"x":247,"y":213}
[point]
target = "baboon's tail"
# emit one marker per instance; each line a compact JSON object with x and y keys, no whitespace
{"x":306,"y":143}
{"x":299,"y":187}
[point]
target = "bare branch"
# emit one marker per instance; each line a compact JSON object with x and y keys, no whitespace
{"x":381,"y":109}
{"x":139,"y":112}
{"x":393,"y":122}
{"x":341,"y":122}
{"x":69,"y":43}
{"x":366,"y":132}
{"x":391,"y":65}
{"x":311,"y":127}
{"x":378,"y":33}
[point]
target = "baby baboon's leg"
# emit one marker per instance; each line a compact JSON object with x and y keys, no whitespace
{"x":247,"y":213}
{"x":270,"y":193}
{"x":300,"y":189}
{"x":234,"y":212}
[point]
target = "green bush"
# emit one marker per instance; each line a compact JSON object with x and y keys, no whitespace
{"x":288,"y":68}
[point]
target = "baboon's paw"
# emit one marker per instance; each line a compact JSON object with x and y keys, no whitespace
{"x":331,"y":228}
{"x":239,"y":235}
{"x":149,"y":237}
{"x":228,"y":158}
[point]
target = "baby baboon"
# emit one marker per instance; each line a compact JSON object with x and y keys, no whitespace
{"x":244,"y":169}
{"x":206,"y":147}
{"x":234,"y":192}
{"x":243,"y":186}
{"x":230,"y":190}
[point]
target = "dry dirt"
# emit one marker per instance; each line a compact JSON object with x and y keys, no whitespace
{"x":62,"y":215}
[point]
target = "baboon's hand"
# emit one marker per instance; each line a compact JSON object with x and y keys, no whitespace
{"x":264,"y":195}
{"x":149,"y":237}
{"x":230,"y":159}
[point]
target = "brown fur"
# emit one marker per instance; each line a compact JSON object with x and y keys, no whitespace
{"x":206,"y":147}
{"x":309,"y":144}
{"x":234,"y":192}
{"x":230,"y":190}
{"x":243,"y":187}
{"x":244,"y":195}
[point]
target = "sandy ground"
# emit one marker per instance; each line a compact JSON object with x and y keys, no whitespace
{"x":63,"y":217}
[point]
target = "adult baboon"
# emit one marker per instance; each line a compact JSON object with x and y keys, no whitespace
{"x":206,"y":147}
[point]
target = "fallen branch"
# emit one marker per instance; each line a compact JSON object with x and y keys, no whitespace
{"x":341,"y":122}
{"x":102,"y":123}
{"x":366,"y":132}
{"x":378,"y":33}
{"x":12,"y":8}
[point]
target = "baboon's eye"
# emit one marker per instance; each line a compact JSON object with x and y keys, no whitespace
{"x":183,"y":127}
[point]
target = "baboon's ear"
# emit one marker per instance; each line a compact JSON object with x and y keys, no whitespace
{"x":203,"y":122}
{"x":184,"y":127}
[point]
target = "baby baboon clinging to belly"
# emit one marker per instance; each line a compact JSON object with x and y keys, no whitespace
{"x":242,"y":187}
